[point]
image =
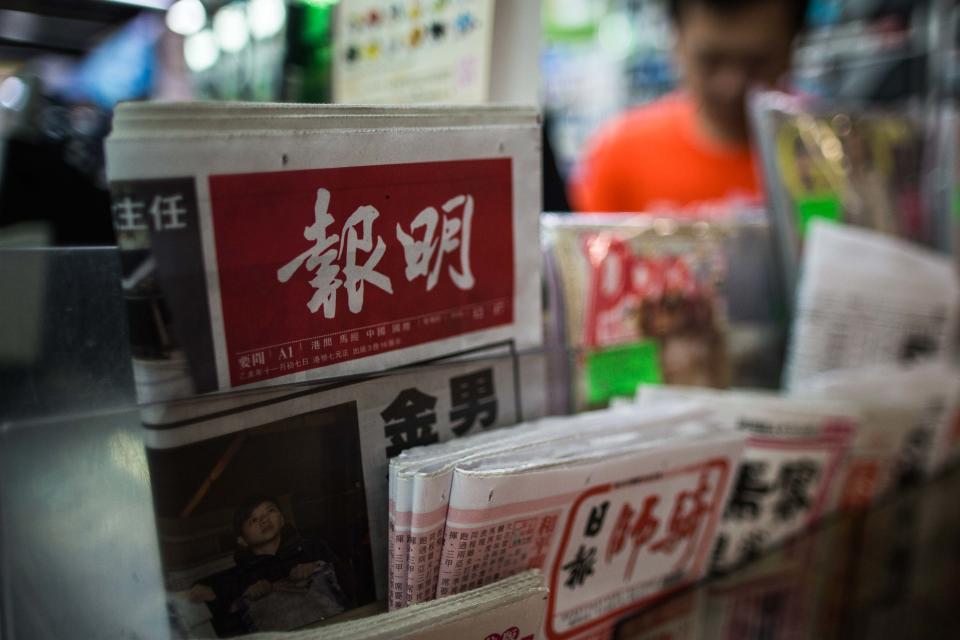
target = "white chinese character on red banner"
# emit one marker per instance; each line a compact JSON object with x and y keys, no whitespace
{"x":323,"y":257}
{"x":424,"y":256}
{"x":357,"y":274}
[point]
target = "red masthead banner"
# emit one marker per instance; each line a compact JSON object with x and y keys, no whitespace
{"x":325,"y":266}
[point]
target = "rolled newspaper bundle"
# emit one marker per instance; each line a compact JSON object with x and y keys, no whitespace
{"x":616,"y":507}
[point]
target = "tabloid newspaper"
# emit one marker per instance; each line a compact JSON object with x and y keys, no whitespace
{"x":794,"y":460}
{"x":421,"y":481}
{"x":270,"y":244}
{"x":298,"y":256}
{"x":614,"y":517}
{"x":866,"y":299}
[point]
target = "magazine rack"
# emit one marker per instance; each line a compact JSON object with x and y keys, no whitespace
{"x":79,"y":552}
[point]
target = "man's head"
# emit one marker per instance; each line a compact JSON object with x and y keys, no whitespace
{"x":723,"y":47}
{"x":258,"y":523}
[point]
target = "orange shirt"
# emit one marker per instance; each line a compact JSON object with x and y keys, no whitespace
{"x":655,"y":157}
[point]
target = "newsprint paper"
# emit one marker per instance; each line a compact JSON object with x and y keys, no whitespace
{"x":869,"y":299}
{"x":271,"y":244}
{"x":306,"y":465}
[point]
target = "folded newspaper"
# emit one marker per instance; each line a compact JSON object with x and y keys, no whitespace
{"x":512,"y":609}
{"x":617,"y":508}
{"x":909,"y":427}
{"x":266,"y":244}
{"x":634,"y":299}
{"x":286,"y":488}
{"x":866,"y":299}
{"x":792,"y":464}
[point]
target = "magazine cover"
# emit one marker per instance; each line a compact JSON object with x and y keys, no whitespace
{"x":269,"y":245}
{"x":271,"y":506}
{"x":862,"y":167}
{"x":638,"y":301}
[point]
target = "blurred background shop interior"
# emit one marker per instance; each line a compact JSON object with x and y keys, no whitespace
{"x":65,"y":64}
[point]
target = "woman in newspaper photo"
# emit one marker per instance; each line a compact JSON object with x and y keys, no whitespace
{"x":282,"y":580}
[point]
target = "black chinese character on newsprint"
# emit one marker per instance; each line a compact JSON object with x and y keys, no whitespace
{"x":751,"y":547}
{"x":409,"y":421}
{"x":471,"y":397}
{"x":581,"y":567}
{"x":794,"y":486}
{"x":595,"y":522}
{"x":748,"y":492}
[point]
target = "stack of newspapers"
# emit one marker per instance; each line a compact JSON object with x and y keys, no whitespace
{"x":616,"y":507}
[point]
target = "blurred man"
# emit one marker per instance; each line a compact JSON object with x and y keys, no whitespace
{"x":692,"y":148}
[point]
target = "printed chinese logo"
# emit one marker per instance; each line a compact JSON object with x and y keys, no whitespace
{"x":322,"y":267}
{"x":334,"y":259}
